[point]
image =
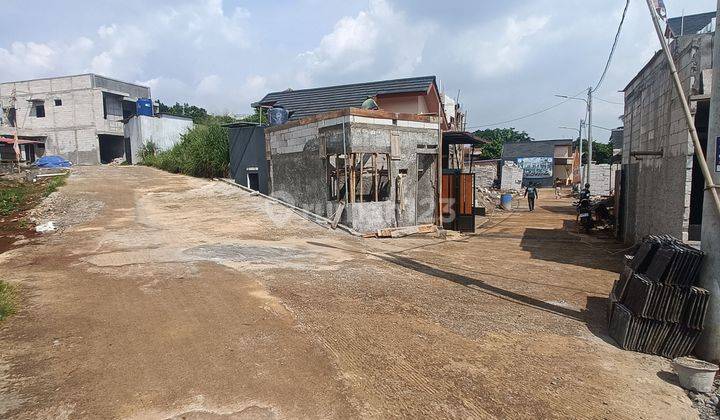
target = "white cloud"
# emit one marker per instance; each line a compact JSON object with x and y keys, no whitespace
{"x":501,"y":47}
{"x":379,"y":41}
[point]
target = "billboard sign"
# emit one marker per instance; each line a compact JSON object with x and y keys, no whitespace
{"x":537,"y":167}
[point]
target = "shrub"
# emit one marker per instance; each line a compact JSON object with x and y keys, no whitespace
{"x":203,"y":151}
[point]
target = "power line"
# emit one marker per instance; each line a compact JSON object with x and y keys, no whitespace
{"x":614,"y":46}
{"x":527,"y":115}
{"x":606,"y":101}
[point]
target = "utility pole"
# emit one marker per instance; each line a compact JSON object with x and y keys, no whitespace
{"x":589,"y":139}
{"x":580,"y":170}
{"x":709,"y":345}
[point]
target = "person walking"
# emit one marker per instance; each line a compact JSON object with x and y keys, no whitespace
{"x":558,"y":190}
{"x":531,"y":193}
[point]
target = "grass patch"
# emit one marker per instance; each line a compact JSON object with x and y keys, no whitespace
{"x":12,"y":198}
{"x":203,"y":152}
{"x":7,"y":300}
{"x":55,"y":183}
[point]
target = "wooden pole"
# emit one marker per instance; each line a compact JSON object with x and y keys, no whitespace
{"x":352,"y":178}
{"x":375,"y":175}
{"x":362,"y":175}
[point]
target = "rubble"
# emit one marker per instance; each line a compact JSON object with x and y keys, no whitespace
{"x":707,"y":404}
{"x":64,"y":211}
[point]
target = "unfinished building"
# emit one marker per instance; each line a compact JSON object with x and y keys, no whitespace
{"x":381,"y":166}
{"x":76,"y":117}
{"x":661,"y":185}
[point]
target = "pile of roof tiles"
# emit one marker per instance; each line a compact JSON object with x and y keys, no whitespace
{"x":655,"y":306}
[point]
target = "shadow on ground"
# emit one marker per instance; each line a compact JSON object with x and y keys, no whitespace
{"x":594,"y":315}
{"x":566,"y":247}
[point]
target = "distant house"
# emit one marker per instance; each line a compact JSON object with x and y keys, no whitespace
{"x":700,"y":23}
{"x":542,"y":161}
{"x":77,"y":117}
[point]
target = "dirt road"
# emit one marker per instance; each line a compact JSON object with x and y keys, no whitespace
{"x":167,"y":297}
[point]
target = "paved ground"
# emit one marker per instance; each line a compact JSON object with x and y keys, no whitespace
{"x":166,"y":296}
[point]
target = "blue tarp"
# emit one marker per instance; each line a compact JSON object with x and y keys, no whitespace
{"x":52,"y":162}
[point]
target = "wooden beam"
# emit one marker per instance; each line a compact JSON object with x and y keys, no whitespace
{"x":352,"y":178}
{"x":375,"y":175}
{"x":362,"y":174}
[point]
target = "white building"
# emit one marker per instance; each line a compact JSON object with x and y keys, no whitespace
{"x":76,"y":117}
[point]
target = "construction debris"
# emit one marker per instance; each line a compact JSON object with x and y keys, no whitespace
{"x":46,"y":227}
{"x":404,"y":231}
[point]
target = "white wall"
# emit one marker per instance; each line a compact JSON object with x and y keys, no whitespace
{"x":164,"y":131}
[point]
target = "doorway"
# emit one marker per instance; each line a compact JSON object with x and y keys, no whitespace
{"x":697,"y":189}
{"x":253,"y":181}
{"x":426,"y":193}
{"x":111,"y":147}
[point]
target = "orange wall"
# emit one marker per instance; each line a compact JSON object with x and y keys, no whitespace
{"x":408,"y":104}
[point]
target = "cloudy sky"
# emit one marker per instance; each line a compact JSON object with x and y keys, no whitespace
{"x":506,"y":58}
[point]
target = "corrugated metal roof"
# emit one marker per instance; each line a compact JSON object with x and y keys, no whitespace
{"x":307,"y":102}
{"x":690,"y":24}
{"x":543,"y":148}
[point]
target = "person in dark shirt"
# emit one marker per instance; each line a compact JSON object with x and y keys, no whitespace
{"x":585,"y":193}
{"x":531,"y":193}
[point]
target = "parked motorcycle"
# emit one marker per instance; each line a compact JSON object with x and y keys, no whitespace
{"x":585,"y":218}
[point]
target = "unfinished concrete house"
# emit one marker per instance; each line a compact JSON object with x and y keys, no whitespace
{"x":661,"y":185}
{"x":382,"y":165}
{"x":76,"y":117}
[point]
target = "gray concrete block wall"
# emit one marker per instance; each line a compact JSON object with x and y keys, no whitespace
{"x":511,"y":177}
{"x":298,"y":171}
{"x":485,"y":173}
{"x":659,"y":198}
{"x":602,"y":179}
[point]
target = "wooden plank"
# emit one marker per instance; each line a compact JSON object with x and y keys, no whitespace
{"x":406,"y":231}
{"x":370,"y":113}
{"x":375,"y":175}
{"x":362,"y":174}
{"x":352,"y":178}
{"x":338,"y":215}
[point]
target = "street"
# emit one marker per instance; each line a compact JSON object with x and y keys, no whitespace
{"x":167,"y":296}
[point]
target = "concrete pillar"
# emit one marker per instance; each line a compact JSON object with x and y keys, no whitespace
{"x":709,"y":345}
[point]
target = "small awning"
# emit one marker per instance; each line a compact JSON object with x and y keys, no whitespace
{"x":462,"y":137}
{"x":6,"y":140}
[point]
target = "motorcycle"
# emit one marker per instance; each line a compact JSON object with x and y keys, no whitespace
{"x":585,"y":218}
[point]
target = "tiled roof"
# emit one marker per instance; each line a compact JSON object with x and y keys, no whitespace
{"x":690,"y":24}
{"x":308,"y":102}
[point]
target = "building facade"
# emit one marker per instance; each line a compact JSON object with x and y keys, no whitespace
{"x":77,"y":117}
{"x":543,"y":162}
{"x":381,"y":165}
{"x":662,"y":186}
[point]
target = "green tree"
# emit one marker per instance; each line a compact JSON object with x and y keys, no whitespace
{"x":497,"y":138}
{"x":199,"y":115}
{"x":602,"y":152}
